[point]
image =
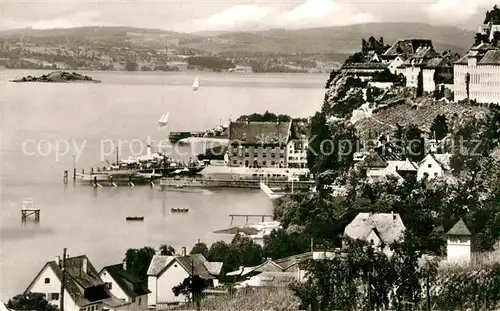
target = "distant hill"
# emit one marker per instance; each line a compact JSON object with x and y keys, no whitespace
{"x":344,"y":39}
{"x":332,"y":40}
{"x":94,"y":32}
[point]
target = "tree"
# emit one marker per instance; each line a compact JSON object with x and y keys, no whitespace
{"x":357,"y":57}
{"x":167,"y":250}
{"x":420,"y":83}
{"x":191,"y":287}
{"x":439,"y":127}
{"x":200,"y":248}
{"x":496,"y":38}
{"x":415,"y":143}
{"x":131,"y":66}
{"x":319,"y":135}
{"x":31,"y":301}
{"x":280,"y":244}
{"x":467,"y":84}
{"x":138,"y":260}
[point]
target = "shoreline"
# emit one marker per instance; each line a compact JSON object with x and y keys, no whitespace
{"x":169,"y":72}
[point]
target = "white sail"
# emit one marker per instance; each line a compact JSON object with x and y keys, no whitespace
{"x":163,"y":120}
{"x":196,"y":84}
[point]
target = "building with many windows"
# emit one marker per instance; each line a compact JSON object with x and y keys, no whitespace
{"x":477,"y":75}
{"x":258,"y":144}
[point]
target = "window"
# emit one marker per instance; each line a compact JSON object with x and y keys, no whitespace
{"x":429,"y":165}
{"x":47,"y":280}
{"x":109,"y":285}
{"x":54,"y":296}
{"x":263,"y":162}
{"x":235,"y":162}
{"x":133,"y":299}
{"x":139,"y":302}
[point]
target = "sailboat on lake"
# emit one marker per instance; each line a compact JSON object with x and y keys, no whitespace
{"x":196,"y":84}
{"x":163,"y":120}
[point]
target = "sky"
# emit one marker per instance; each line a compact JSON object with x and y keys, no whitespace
{"x":236,"y":15}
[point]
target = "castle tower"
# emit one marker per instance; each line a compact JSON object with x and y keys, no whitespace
{"x":459,"y":243}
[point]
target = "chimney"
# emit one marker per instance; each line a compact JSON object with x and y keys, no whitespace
{"x":184,"y":251}
{"x":84,"y":264}
{"x":269,"y":259}
{"x":124,"y":265}
{"x":393,"y":216}
{"x":58,"y":260}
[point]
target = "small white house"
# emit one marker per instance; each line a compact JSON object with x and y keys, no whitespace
{"x":166,"y":272}
{"x":296,"y":151}
{"x":459,"y":243}
{"x":394,"y":64}
{"x":81,"y":279}
{"x":126,"y":285}
{"x":433,"y":166}
{"x":380,"y":229}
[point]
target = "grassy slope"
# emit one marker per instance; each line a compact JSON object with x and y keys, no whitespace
{"x":279,"y":298}
{"x":403,"y":114}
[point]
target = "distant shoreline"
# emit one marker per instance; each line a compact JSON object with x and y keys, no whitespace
{"x":169,"y":72}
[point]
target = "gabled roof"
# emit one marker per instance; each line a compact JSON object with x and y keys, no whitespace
{"x":273,"y":279}
{"x":258,"y":133}
{"x":267,"y":266}
{"x":407,"y":46}
{"x":491,"y":57}
{"x":196,"y":263}
{"x":77,"y":281}
{"x":460,"y":228}
{"x":128,"y":281}
{"x":389,"y":226}
{"x":406,"y":165}
{"x":158,"y":264}
{"x":478,"y":52}
{"x":442,"y":159}
{"x":289,"y":261}
{"x":373,"y":160}
{"x":373,"y":65}
{"x":3,"y":307}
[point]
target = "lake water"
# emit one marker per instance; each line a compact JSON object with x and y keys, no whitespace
{"x":87,"y":119}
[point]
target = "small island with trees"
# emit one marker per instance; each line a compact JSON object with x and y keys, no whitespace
{"x":58,"y":76}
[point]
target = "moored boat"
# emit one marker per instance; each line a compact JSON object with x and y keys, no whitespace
{"x":130,"y":218}
{"x":179,"y":210}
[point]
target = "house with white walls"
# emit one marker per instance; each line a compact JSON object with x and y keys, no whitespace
{"x":296,"y":151}
{"x":437,"y":71}
{"x":434,"y":165}
{"x":395,"y":63}
{"x":165,"y":272}
{"x":404,"y":48}
{"x":459,"y":246}
{"x":480,"y":70}
{"x":379,"y":229}
{"x":412,"y":67}
{"x":3,"y":307}
{"x":83,"y":288}
{"x":125,"y":284}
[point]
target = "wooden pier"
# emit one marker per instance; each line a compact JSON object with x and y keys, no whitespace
{"x":28,"y":210}
{"x":247,"y":216}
